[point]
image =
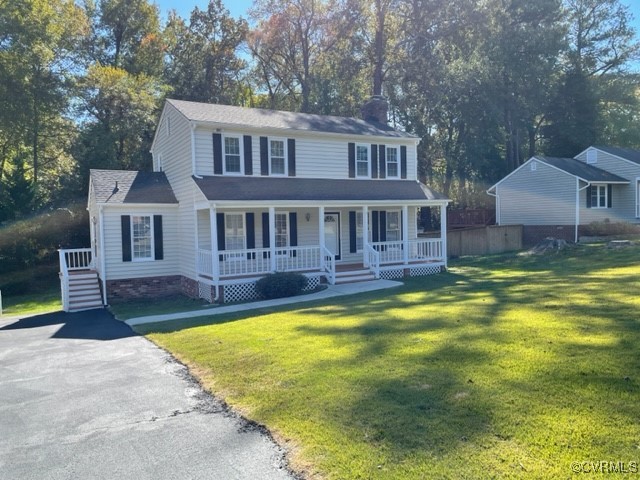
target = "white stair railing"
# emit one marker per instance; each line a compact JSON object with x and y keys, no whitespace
{"x":72,"y":260}
{"x":372,"y":259}
{"x":329,"y":265}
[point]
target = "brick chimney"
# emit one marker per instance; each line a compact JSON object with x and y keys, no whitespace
{"x":375,"y":109}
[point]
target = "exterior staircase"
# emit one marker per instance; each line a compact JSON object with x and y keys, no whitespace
{"x":352,"y":276}
{"x":84,"y":290}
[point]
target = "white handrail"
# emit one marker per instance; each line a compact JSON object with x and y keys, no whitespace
{"x":295,"y":259}
{"x":419,"y":249}
{"x":373,"y":259}
{"x":329,"y":265}
{"x":75,"y":259}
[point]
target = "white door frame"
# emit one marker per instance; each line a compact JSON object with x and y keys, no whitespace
{"x":338,"y":233}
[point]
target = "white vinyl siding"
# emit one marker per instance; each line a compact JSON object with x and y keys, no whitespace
{"x":171,"y":241}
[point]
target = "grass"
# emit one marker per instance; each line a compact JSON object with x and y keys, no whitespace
{"x":32,"y":303}
{"x":124,"y":310}
{"x":30,"y":291}
{"x":505,"y":367}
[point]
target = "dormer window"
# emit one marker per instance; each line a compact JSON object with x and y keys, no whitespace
{"x":362,"y":161}
{"x":232,"y":155}
{"x":277,"y":156}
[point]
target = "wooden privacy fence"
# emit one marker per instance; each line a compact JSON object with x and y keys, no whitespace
{"x":483,"y":240}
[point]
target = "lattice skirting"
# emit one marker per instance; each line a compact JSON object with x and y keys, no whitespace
{"x":426,"y":270}
{"x":312,"y":283}
{"x":204,"y":291}
{"x":239,"y":292}
{"x":391,"y":274}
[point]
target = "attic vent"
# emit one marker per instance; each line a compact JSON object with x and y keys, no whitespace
{"x":592,"y":156}
{"x":534,"y":166}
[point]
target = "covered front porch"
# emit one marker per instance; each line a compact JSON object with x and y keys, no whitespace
{"x":240,"y":244}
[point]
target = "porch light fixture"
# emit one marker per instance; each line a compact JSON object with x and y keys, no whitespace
{"x":307,"y":216}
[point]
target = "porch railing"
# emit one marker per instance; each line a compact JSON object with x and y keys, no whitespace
{"x":372,"y":258}
{"x":418,"y":249}
{"x":329,"y":265}
{"x":257,"y":261}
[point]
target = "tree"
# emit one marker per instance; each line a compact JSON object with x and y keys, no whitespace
{"x":203,"y":63}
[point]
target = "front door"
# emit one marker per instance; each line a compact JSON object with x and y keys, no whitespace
{"x":332,"y":233}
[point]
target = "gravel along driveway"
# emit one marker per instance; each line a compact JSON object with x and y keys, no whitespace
{"x":82,"y":396}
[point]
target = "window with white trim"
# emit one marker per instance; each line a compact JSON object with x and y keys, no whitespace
{"x":598,"y":196}
{"x":277,"y":156}
{"x":360,"y":229}
{"x":234,"y":234}
{"x":141,"y":237}
{"x":232,"y":154}
{"x":394,"y":233}
{"x":362,"y":161}
{"x":282,"y":229}
{"x":393,"y":162}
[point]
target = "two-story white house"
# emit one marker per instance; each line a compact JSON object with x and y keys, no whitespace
{"x":237,"y":193}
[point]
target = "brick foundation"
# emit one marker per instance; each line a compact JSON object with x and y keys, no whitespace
{"x":189,"y":287}
{"x":534,"y":234}
{"x":149,"y":287}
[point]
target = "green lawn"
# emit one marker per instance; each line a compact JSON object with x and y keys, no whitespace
{"x":505,"y":367}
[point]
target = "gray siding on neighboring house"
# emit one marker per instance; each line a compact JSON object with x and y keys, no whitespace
{"x":624,"y":196}
{"x":546,"y":196}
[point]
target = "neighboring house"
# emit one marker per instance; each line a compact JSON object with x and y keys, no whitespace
{"x":555,"y":196}
{"x":237,"y":193}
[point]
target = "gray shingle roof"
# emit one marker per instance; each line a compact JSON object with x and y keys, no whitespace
{"x":626,"y":153}
{"x":263,"y":118}
{"x":582,"y":170}
{"x":132,"y":187}
{"x":311,"y":189}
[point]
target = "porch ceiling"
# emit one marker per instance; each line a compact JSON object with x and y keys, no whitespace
{"x":252,"y":189}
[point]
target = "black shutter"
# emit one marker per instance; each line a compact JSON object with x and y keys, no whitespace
{"x":383,"y":226}
{"x":293,"y":231}
{"x":374,"y":226}
{"x":352,"y":160}
{"x":157,"y":237}
{"x":217,"y":154}
{"x":609,"y":195}
{"x":248,"y":155}
{"x":403,"y":162}
{"x":374,"y":161}
{"x":382,"y":160}
{"x":251,"y":234}
{"x":125,"y":221}
{"x":353,"y":244}
{"x":264,"y":156}
{"x":220,"y":226}
{"x":291,"y":153}
{"x":589,"y":196}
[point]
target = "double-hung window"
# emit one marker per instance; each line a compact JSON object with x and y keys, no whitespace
{"x":282,"y":231}
{"x":362,"y":161}
{"x":277,"y":156}
{"x":393,"y":162}
{"x":599,"y":196}
{"x":234,"y":234}
{"x":141,"y":237}
{"x":394,"y":233}
{"x":232,"y":155}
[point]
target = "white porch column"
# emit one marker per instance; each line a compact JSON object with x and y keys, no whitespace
{"x":213,"y":222}
{"x":272,"y":237}
{"x":405,"y":234}
{"x":443,"y":231}
{"x":321,"y":236}
{"x":365,"y":235}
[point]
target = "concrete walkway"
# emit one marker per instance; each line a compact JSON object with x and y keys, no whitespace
{"x":330,"y":292}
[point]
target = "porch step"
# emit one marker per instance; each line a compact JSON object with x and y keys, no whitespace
{"x":84,"y":291}
{"x":352,"y":276}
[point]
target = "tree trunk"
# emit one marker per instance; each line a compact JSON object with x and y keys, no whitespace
{"x":378,"y":53}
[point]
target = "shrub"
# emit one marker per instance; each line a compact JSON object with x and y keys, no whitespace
{"x":605,"y":228}
{"x":281,"y":284}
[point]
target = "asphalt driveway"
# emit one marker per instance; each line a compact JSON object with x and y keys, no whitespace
{"x":82,"y":396}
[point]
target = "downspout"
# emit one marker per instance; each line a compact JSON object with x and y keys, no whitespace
{"x":497,"y":197}
{"x":578,"y":190}
{"x":103,"y":263}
